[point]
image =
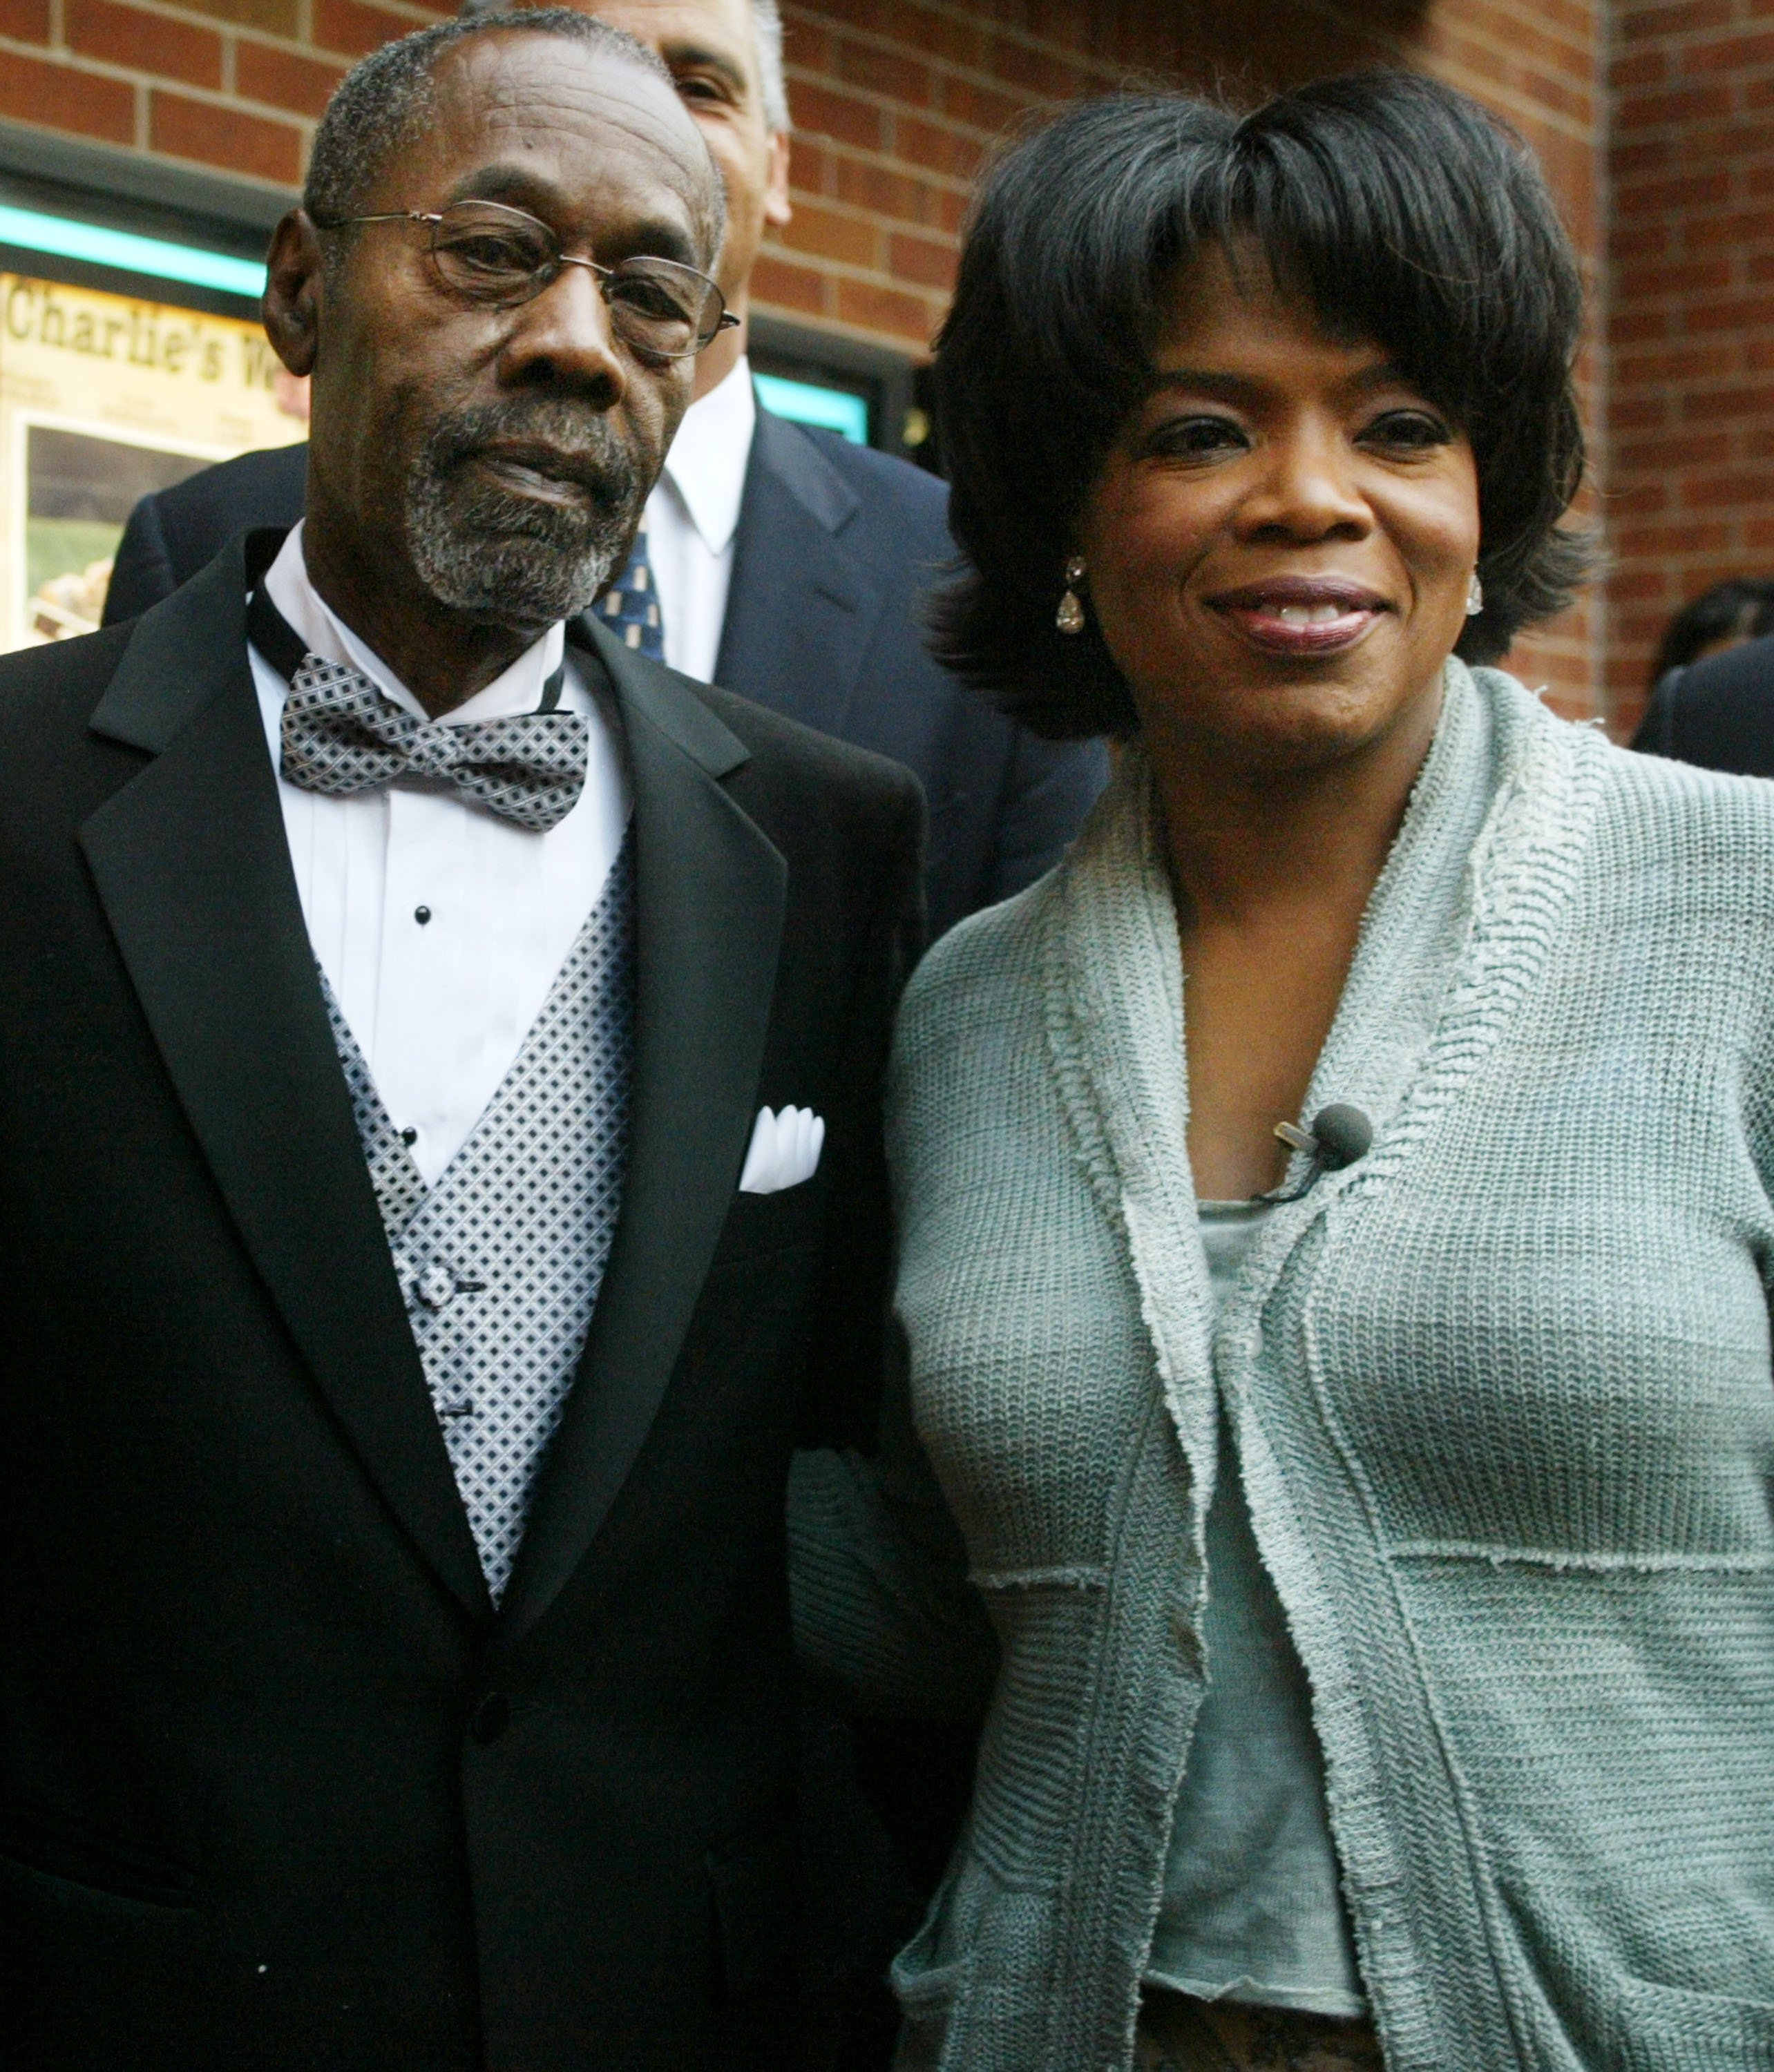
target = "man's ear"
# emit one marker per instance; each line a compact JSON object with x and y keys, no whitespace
{"x":293,"y":292}
{"x":777,"y":210}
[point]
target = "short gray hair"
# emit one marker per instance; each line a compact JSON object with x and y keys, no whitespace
{"x":766,"y":19}
{"x":385,"y":99}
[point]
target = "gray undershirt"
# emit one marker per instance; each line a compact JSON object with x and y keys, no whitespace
{"x":1252,"y":1908}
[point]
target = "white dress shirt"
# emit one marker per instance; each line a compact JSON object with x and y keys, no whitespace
{"x":692,"y":517}
{"x":439,"y":1007}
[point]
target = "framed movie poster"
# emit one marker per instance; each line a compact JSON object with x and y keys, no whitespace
{"x":103,"y":398}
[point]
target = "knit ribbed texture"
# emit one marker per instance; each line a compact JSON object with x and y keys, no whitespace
{"x":1502,"y":1395}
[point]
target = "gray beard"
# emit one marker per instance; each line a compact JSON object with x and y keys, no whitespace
{"x":511,"y":560}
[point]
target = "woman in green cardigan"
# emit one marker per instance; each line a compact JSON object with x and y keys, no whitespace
{"x":1363,"y":1535}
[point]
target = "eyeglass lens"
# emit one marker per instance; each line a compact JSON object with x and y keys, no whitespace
{"x":490,"y":253}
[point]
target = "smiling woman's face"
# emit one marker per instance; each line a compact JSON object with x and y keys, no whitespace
{"x":1279,"y":544}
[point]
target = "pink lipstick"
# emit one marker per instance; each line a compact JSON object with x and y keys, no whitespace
{"x":1300,"y":615}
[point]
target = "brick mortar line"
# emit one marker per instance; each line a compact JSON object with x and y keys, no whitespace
{"x":230,"y":32}
{"x":91,"y":68}
{"x":856,"y":212}
{"x":890,"y":46}
{"x":421,"y":18}
{"x":1528,"y":17}
{"x":264,"y":40}
{"x":1651,"y":176}
{"x":1500,"y":48}
{"x":1745,"y":74}
{"x":1678,"y":301}
{"x":963,"y":17}
{"x":1513,"y":100}
{"x":906,"y":169}
{"x":256,"y":181}
{"x":1680,"y":47}
{"x":847,"y":270}
{"x":843,"y":327}
{"x":1641,"y":180}
{"x":863,"y":154}
{"x":885,"y":103}
{"x":1757,"y":75}
{"x":64,"y":54}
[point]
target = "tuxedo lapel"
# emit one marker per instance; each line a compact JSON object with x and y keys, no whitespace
{"x":191,"y":864}
{"x":802,"y":607}
{"x":710,"y":891}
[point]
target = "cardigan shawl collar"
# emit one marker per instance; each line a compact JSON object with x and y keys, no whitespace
{"x":1463,"y":913}
{"x":1459,"y":923}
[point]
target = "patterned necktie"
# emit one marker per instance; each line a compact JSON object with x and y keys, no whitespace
{"x":340,"y":735}
{"x":630,"y":607}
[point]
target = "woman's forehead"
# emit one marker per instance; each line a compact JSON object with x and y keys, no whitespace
{"x":1238,"y":304}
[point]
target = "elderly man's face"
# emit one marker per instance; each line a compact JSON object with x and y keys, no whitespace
{"x":503,"y":455}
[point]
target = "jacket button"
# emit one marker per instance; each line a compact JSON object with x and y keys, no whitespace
{"x":492,"y":1717}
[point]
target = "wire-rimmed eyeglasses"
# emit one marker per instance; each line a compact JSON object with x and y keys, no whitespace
{"x":485,"y":252}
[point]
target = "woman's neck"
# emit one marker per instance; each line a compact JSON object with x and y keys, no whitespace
{"x":1241,"y":841}
{"x":1272,"y":871}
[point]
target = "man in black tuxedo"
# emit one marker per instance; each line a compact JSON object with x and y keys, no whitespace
{"x":395,"y":1671}
{"x":1718,"y":712}
{"x":792,"y":567}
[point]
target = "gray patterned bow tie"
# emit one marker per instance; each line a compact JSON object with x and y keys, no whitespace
{"x":341,"y":735}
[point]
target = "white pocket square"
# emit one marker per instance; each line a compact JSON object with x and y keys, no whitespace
{"x":785,"y":1150}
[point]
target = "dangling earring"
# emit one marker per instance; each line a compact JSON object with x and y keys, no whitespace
{"x":1070,"y":616}
{"x":1474,"y":596}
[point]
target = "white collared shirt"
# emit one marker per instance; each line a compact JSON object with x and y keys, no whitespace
{"x":440,"y":1007}
{"x":692,"y":516}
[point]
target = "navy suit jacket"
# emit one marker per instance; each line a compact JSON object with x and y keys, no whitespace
{"x":1718,"y":712}
{"x":837,"y":547}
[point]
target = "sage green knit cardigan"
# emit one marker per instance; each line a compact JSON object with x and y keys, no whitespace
{"x":1502,"y":1398}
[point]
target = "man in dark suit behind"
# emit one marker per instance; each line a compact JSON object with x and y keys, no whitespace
{"x":1718,"y":712}
{"x":395,"y":1664}
{"x":814,"y":606}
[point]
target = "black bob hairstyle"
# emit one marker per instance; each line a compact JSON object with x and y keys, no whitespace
{"x":1398,"y":209}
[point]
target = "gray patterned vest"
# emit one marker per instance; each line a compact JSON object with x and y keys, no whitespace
{"x":501,"y":1261}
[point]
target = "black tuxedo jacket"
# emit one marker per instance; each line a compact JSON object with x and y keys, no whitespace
{"x":837,"y":547}
{"x":1718,"y":712}
{"x":279,"y":1789}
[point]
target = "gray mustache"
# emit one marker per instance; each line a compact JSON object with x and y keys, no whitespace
{"x":599,"y":464}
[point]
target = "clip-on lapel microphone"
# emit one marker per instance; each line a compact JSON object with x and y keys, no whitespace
{"x":1338,"y":1136}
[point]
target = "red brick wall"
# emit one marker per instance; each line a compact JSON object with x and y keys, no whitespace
{"x":229,"y":84}
{"x":1691,"y":486}
{"x":895,"y":101}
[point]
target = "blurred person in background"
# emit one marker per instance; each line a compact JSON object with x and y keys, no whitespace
{"x":1359,"y":1542}
{"x":1719,"y":618}
{"x":786,"y":564}
{"x":1722,"y":717}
